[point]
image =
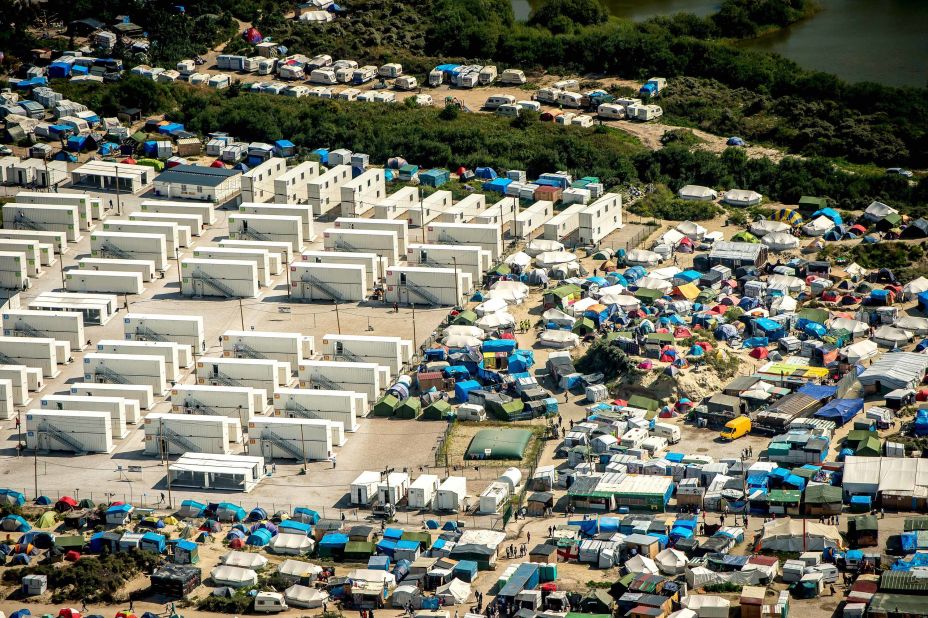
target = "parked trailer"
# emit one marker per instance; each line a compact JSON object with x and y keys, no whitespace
{"x":380,"y":242}
{"x":103,"y":281}
{"x":275,"y":228}
{"x":37,"y":352}
{"x":564,"y":223}
{"x":176,"y":434}
{"x":18,"y":377}
{"x":174,"y":236}
{"x":95,"y":309}
{"x":336,"y":375}
{"x":468,"y":258}
{"x":335,"y":405}
{"x":532,"y":218}
{"x":303,"y":211}
{"x":600,"y":218}
{"x":258,"y":256}
{"x":373,"y":264}
{"x":75,"y":432}
{"x":30,"y":252}
{"x":451,"y":494}
{"x":166,"y":349}
{"x":488,"y":236}
{"x":126,"y":369}
{"x":302,"y":439}
{"x":141,"y":394}
{"x":58,"y":240}
{"x":325,"y":190}
{"x":192,"y":222}
{"x":61,"y":325}
{"x":206,"y":211}
{"x":225,"y":278}
{"x":386,"y":351}
{"x":43,"y":217}
{"x":461,"y":211}
{"x":81,"y":201}
{"x":241,"y":402}
{"x":422,"y":491}
{"x":493,"y":497}
{"x":265,"y":374}
{"x":14,"y":274}
{"x":130,"y":405}
{"x":165,"y":327}
{"x":290,"y":348}
{"x":397,"y":203}
{"x":146,"y":268}
{"x":132,"y":246}
{"x":114,"y":406}
{"x":310,"y":281}
{"x":278,"y":253}
{"x":430,"y":207}
{"x":427,"y":286}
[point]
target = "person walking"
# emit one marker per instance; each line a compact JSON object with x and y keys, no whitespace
{"x":528,"y":535}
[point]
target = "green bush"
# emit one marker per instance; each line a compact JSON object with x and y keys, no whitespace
{"x":663,"y":204}
{"x":610,"y":360}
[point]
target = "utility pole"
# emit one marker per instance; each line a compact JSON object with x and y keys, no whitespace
{"x":241,"y":313}
{"x":415,"y":339}
{"x":118,"y":201}
{"x":35,"y":463}
{"x":303,"y":448}
{"x":61,"y":267}
{"x":167,"y":468}
{"x":180,"y":284}
{"x":457,"y":291}
{"x":338,"y":321}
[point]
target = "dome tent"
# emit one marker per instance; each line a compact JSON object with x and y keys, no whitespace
{"x":780,"y":241}
{"x":768,"y":226}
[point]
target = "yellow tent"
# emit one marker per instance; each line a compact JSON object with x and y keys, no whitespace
{"x":689,"y":291}
{"x":170,"y":520}
{"x":47,"y":520}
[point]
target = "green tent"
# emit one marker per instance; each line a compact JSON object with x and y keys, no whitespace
{"x":508,"y":410}
{"x":411,"y":408}
{"x":814,"y":315}
{"x":424,"y":538}
{"x":437,"y":411}
{"x":584,"y":326}
{"x":498,"y":444}
{"x":868,"y":448}
{"x":809,"y":204}
{"x":502,"y":270}
{"x":647,"y":295}
{"x":745,"y":237}
{"x":643,"y":403}
{"x":823,"y":494}
{"x":465,"y":318}
{"x":387,"y":406}
{"x":69,"y":542}
{"x":359,"y":549}
{"x":47,"y":520}
{"x":139,"y":137}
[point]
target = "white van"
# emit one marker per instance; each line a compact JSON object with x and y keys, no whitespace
{"x":547,"y":95}
{"x":499,"y":99}
{"x":425,"y":100}
{"x":348,"y":94}
{"x":270,"y":603}
{"x":634,"y":437}
{"x":508,"y":110}
{"x":611,"y":111}
{"x":533,"y":106}
{"x":665,"y":430}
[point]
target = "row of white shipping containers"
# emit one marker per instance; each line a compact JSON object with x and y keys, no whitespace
{"x":463,"y":210}
{"x":58,"y":240}
{"x":564,"y":223}
{"x":130,"y":245}
{"x":38,"y":352}
{"x":397,"y":203}
{"x":374,"y":265}
{"x":225,"y":278}
{"x":115,"y":407}
{"x":241,"y":402}
{"x":146,"y":268}
{"x":134,"y":368}
{"x":291,"y":348}
{"x":430,"y":207}
{"x":62,"y":325}
{"x":142,"y":394}
{"x":74,"y":431}
{"x":184,"y":329}
{"x":325,"y":190}
{"x":290,"y":438}
{"x":258,"y":256}
{"x":310,"y":281}
{"x":14,"y":274}
{"x":191,"y":222}
{"x":427,"y":286}
{"x":392,"y":352}
{"x":96,"y":309}
{"x":184,"y":433}
{"x":274,"y":228}
{"x":176,"y":356}
{"x":103,"y":281}
{"x":600,"y":218}
{"x":399,"y":226}
{"x":532,"y":218}
{"x":206,"y":211}
{"x":489,"y":237}
{"x":174,"y":235}
{"x":380,"y":242}
{"x":43,"y":217}
{"x":18,"y":377}
{"x":499,"y":214}
{"x":303,"y":211}
{"x":7,"y":399}
{"x":342,"y":406}
{"x":468,"y":258}
{"x":422,"y":491}
{"x":258,"y":182}
{"x":264,"y":374}
{"x":368,"y":378}
{"x":278,"y":252}
{"x":293,"y":185}
{"x":359,"y":194}
{"x":30,"y":252}
{"x":81,"y":201}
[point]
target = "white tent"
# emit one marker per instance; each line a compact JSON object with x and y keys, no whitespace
{"x":698,"y":577}
{"x":461,"y":341}
{"x":877,"y":210}
{"x":653,"y":283}
{"x":520,"y":259}
{"x":297,"y":569}
{"x":683,"y":613}
{"x":707,"y":605}
{"x":462,"y":330}
{"x":317,"y":16}
{"x":490,"y":306}
{"x":860,"y":351}
{"x":914,"y":287}
{"x":609,"y":289}
{"x":642,"y":257}
{"x":244,"y":559}
{"x":692,"y":230}
{"x":671,"y":561}
{"x":818,"y":226}
{"x":913,"y":324}
{"x":373,"y":576}
{"x":454,"y":592}
{"x":513,"y":292}
{"x":768,"y":226}
{"x":304,"y":596}
{"x":540,"y":245}
{"x":697,"y":192}
{"x":780,"y":241}
{"x":549,"y":259}
{"x":291,"y":544}
{"x":786,"y":283}
{"x":641,"y":564}
{"x":742,"y":197}
{"x":890,"y":336}
{"x":577,"y":308}
{"x":855,"y":327}
{"x":493,"y":321}
{"x":783,"y":304}
{"x":667,"y":273}
{"x":558,"y":339}
{"x":786,"y":535}
{"x":624,"y":301}
{"x":670,"y":238}
{"x":234,"y":577}
{"x":404,"y":594}
{"x":558,"y":317}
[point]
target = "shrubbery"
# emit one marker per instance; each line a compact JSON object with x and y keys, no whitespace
{"x":607,"y":359}
{"x":662,"y":204}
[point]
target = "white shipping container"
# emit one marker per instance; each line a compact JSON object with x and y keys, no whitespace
{"x":133,"y":368}
{"x":386,"y":351}
{"x":493,"y":497}
{"x":95,"y":309}
{"x":58,"y":240}
{"x":81,"y":201}
{"x":380,"y":242}
{"x":206,"y":211}
{"x":192,"y":222}
{"x":427,"y":286}
{"x":311,"y":281}
{"x":488,"y":236}
{"x":451,"y":494}
{"x":258,"y":256}
{"x":336,"y":375}
{"x":275,"y":228}
{"x":532,"y":218}
{"x":165,"y":349}
{"x":45,"y":217}
{"x":165,"y":327}
{"x":183,"y":433}
{"x":468,"y":258}
{"x":36,"y":352}
{"x":174,"y":236}
{"x":288,"y":347}
{"x":114,"y":406}
{"x":226,"y":278}
{"x":146,"y":268}
{"x":290,"y":438}
{"x":132,"y":246}
{"x":103,"y":281}
{"x":600,"y":218}
{"x":14,"y":274}
{"x":334,"y":405}
{"x":241,"y":402}
{"x":394,"y":488}
{"x":76,"y":432}
{"x":62,"y":325}
{"x":363,"y":488}
{"x":373,"y":264}
{"x":325,"y":190}
{"x":397,"y":203}
{"x":29,"y":250}
{"x":564,"y":223}
{"x":303,"y":211}
{"x":399,"y":226}
{"x":293,"y":185}
{"x":464,"y":209}
{"x":429,"y":208}
{"x":422,"y":491}
{"x":278,"y":253}
{"x":359,"y":194}
{"x":6,"y":399}
{"x":255,"y":373}
{"x":18,"y":377}
{"x":142,"y":394}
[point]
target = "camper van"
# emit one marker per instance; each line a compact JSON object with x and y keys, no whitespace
{"x":512,"y":76}
{"x":324,"y":75}
{"x":735,"y":428}
{"x":363,"y":75}
{"x":436,"y":77}
{"x":508,"y":111}
{"x":547,"y":95}
{"x":582,"y":120}
{"x":668,"y":431}
{"x":348,"y":94}
{"x":406,"y":82}
{"x":570,"y":99}
{"x":270,"y":603}
{"x":610,"y":111}
{"x":532,"y":106}
{"x":565,"y":118}
{"x":499,"y":99}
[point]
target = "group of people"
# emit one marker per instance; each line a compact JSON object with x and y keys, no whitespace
{"x":516,"y":552}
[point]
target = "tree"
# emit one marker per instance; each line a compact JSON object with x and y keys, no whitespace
{"x":554,"y":13}
{"x":603,"y":357}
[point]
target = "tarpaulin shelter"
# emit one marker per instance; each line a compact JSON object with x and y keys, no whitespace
{"x":253,"y":36}
{"x":841,"y":410}
{"x":788,"y":216}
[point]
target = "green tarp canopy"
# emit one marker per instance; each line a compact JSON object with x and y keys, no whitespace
{"x":823,"y":494}
{"x":508,"y":410}
{"x":502,"y":269}
{"x":359,"y":548}
{"x":437,"y":410}
{"x":139,"y":137}
{"x":563,"y":291}
{"x":659,"y":338}
{"x":869,"y":522}
{"x":74,"y":541}
{"x":647,"y":295}
{"x":409,"y":408}
{"x":424,"y":538}
{"x":784,"y":496}
{"x":807,"y":202}
{"x":745,"y":237}
{"x":498,"y":444}
{"x":465,"y":318}
{"x":815,"y":315}
{"x":642,"y":402}
{"x":386,"y":406}
{"x":868,"y":448}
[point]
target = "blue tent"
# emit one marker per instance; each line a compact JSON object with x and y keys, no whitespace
{"x":831,"y":213}
{"x":393,"y":533}
{"x":305,"y":515}
{"x":756,"y":342}
{"x":153,"y":541}
{"x":379,"y":563}
{"x":259,"y":538}
{"x":735,"y":141}
{"x":227,"y":511}
{"x":14,"y":523}
{"x":820,"y":392}
{"x":499,"y":345}
{"x":235,"y":533}
{"x":290,"y":525}
{"x":688,"y":276}
{"x":485,"y":173}
{"x":726,"y":331}
{"x":841,"y":410}
{"x":462,"y":389}
{"x":771,"y":329}
{"x":635,"y":273}
{"x":191,"y":508}
{"x":386,"y":546}
{"x":21,"y":613}
{"x":497,"y":185}
{"x":921,"y":423}
{"x":12,"y":497}
{"x":257,"y":514}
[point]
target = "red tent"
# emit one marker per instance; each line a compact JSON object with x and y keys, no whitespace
{"x":217,"y":163}
{"x":66,"y":503}
{"x":759,"y":353}
{"x":68,"y":612}
{"x":253,"y":36}
{"x":922,"y":395}
{"x":129,"y":161}
{"x":681,"y":332}
{"x":461,"y":170}
{"x":72,"y":556}
{"x":237,"y":543}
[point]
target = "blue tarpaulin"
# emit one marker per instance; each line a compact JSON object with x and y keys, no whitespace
{"x":497,"y":185}
{"x":841,"y":410}
{"x":831,"y":213}
{"x":820,"y":392}
{"x":462,"y":389}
